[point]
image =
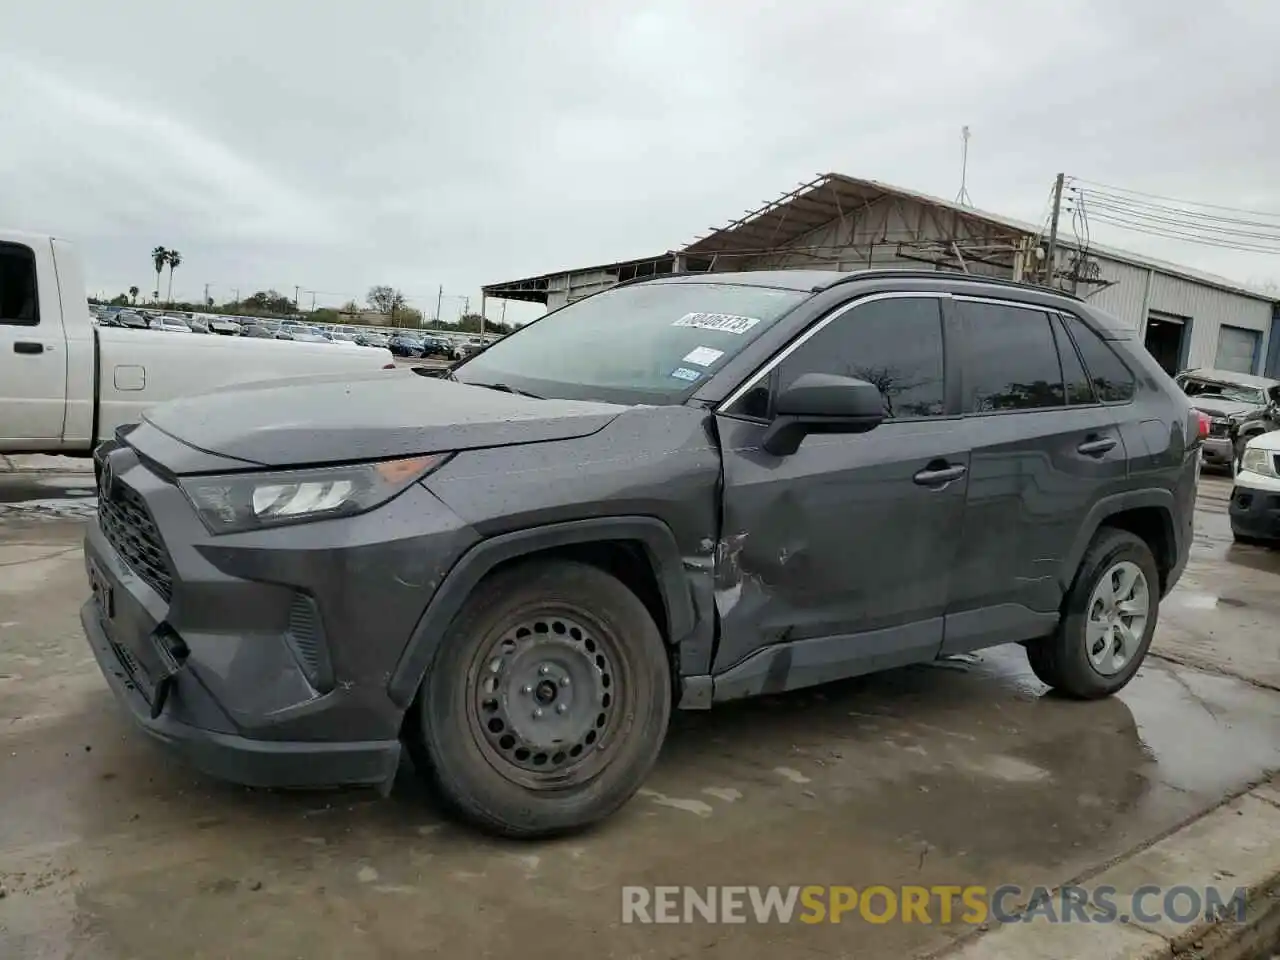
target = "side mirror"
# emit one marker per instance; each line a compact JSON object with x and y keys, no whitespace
{"x":821,"y":403}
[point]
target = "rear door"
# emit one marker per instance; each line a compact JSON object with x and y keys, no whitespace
{"x":33,"y":369}
{"x":852,"y":537}
{"x":1044,"y":450}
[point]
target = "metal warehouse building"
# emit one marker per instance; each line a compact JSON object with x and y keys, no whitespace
{"x":1186,"y":318}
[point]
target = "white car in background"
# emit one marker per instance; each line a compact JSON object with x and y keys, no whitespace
{"x":1255,"y":495}
{"x":170,"y":325}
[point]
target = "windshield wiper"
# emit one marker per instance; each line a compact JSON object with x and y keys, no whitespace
{"x":506,"y":388}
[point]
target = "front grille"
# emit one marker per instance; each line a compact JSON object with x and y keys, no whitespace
{"x":128,"y":527}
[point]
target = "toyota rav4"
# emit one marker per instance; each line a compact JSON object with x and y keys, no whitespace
{"x":673,"y":493}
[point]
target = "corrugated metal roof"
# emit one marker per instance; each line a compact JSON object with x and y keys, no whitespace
{"x":830,"y":196}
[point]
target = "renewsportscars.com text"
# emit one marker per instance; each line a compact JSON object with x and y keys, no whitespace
{"x":939,"y":904}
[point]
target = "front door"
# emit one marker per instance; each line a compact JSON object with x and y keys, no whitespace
{"x":33,"y":363}
{"x":852,"y":536}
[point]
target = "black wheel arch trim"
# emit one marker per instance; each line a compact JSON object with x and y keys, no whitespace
{"x":655,"y":536}
{"x":1110,"y":506}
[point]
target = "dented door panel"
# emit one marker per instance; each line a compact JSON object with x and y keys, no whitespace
{"x":837,"y":539}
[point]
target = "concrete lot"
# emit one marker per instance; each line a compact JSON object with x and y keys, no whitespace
{"x":960,"y":772}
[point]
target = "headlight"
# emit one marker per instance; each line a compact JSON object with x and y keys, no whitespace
{"x":1258,"y":461}
{"x":249,"y":501}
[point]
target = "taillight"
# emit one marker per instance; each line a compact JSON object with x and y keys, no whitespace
{"x":1198,"y":425}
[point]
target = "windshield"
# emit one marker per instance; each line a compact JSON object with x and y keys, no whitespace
{"x":1223,"y":391}
{"x":647,"y":343}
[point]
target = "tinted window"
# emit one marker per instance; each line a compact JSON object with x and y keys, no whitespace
{"x":18,"y":286}
{"x":1112,"y":380}
{"x":1012,"y":362}
{"x":895,"y":344}
{"x":1079,"y":390}
{"x":647,"y":343}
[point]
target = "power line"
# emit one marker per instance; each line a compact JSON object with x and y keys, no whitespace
{"x":1157,"y":219}
{"x":1157,"y":196}
{"x":1129,"y":203}
{"x":1188,"y":237}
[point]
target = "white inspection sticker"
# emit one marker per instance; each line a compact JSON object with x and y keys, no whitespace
{"x":724,"y":322}
{"x":703,"y":356}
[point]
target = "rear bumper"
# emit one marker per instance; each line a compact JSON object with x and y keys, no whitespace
{"x":256,"y":763}
{"x":1218,"y":451}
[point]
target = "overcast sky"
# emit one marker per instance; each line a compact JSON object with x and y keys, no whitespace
{"x":338,"y":145}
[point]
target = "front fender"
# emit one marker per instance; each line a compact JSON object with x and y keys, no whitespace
{"x":655,"y":536}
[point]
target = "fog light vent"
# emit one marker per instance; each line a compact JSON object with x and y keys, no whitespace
{"x":305,"y":635}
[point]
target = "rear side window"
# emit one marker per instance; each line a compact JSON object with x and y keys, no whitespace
{"x":1112,"y":380}
{"x":18,"y":304}
{"x":894,"y":343}
{"x":1079,"y":389}
{"x":1012,"y":361}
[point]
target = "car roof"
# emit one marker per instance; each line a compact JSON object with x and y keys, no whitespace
{"x":1230,"y":376}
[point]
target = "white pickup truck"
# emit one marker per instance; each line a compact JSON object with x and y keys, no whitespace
{"x":66,"y":383}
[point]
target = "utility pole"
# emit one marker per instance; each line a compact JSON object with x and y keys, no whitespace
{"x":296,"y":288}
{"x":504,"y":312}
{"x":483,"y":307}
{"x":439,"y":297}
{"x":1053,"y":230}
{"x":236,"y":291}
{"x":205,"y":303}
{"x":313,"y":301}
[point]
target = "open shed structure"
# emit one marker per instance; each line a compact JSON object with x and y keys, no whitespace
{"x":836,"y":222}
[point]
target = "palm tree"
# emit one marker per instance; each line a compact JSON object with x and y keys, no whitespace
{"x":175,"y":260}
{"x":159,"y":256}
{"x":133,"y":295}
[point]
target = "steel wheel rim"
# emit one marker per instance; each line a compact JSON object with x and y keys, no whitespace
{"x":1116,"y":619}
{"x":545,"y":692}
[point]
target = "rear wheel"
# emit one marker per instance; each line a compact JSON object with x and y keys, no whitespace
{"x":547,"y":703}
{"x":1108,"y":622}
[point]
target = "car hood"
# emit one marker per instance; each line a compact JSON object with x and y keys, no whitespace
{"x":376,"y":415}
{"x":1215,"y":407}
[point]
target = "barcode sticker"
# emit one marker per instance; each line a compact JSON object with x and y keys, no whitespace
{"x":724,"y":322}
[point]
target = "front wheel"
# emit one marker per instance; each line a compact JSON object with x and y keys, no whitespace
{"x":1108,"y":620}
{"x":547,"y":703}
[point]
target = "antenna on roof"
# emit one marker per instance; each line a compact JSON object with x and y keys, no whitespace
{"x":963,"y":197}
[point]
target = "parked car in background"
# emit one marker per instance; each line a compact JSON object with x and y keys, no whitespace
{"x":672,"y":492}
{"x":170,"y":325}
{"x":199,"y":325}
{"x":224,"y":326}
{"x":373,"y":340}
{"x":1229,"y":399}
{"x":405,"y":345}
{"x":470,"y":347}
{"x":131,"y":319}
{"x":67,"y":384}
{"x":437,"y":347}
{"x":258,"y":331}
{"x":1255,"y":494}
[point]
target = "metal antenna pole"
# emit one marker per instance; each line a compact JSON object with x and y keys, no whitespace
{"x":963,"y":196}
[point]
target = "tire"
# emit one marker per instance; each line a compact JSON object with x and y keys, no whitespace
{"x":582,"y":681}
{"x":1246,"y":540}
{"x":1063,"y":660}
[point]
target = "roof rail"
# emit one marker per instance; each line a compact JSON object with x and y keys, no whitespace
{"x":893,"y":273}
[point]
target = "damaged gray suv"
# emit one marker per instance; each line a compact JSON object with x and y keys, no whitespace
{"x":670,"y":494}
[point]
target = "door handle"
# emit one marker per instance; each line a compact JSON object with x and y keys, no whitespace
{"x":1096,"y":447}
{"x":27,"y":346}
{"x":940,"y":475}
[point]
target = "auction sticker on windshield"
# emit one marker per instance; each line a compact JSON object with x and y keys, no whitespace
{"x":724,"y":322}
{"x":684,"y":373}
{"x":703,"y":356}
